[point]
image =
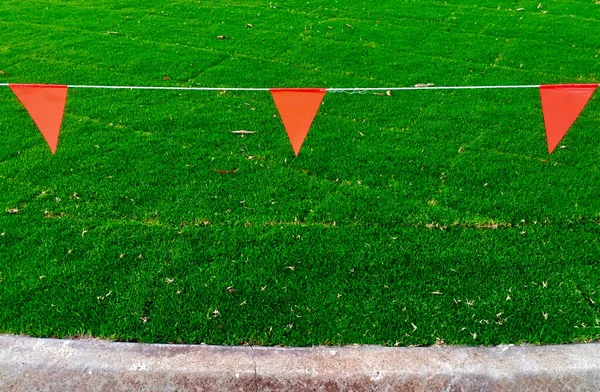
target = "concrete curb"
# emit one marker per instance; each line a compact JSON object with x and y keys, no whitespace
{"x":28,"y":364}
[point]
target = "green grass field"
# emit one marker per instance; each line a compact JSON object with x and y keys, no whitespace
{"x":410,"y":219}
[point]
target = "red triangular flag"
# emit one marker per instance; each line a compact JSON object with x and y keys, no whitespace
{"x":46,"y":105}
{"x":561,"y":104}
{"x":297,"y":108}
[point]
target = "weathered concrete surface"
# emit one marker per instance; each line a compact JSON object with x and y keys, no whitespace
{"x":28,"y":364}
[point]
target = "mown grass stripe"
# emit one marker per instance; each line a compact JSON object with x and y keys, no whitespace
{"x":408,"y":219}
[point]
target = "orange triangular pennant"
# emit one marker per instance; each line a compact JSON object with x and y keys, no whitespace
{"x":561,"y":104}
{"x":46,"y":105}
{"x":297,"y":108}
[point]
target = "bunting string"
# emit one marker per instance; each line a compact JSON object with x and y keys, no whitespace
{"x":329,"y":90}
{"x":561,"y":104}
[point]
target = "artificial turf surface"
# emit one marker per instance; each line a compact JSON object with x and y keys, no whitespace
{"x":407,"y":219}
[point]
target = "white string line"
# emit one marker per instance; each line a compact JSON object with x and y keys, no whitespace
{"x":172,"y":88}
{"x":345,"y":89}
{"x":332,"y":90}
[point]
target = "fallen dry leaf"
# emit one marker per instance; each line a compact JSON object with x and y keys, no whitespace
{"x":4,"y":73}
{"x":222,"y":37}
{"x":226,"y":171}
{"x":166,"y":78}
{"x":13,"y":211}
{"x":243,"y":132}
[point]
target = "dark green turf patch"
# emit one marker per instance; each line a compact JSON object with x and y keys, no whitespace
{"x":299,"y":284}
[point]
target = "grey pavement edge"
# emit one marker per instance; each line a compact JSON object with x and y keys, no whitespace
{"x":30,"y":364}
